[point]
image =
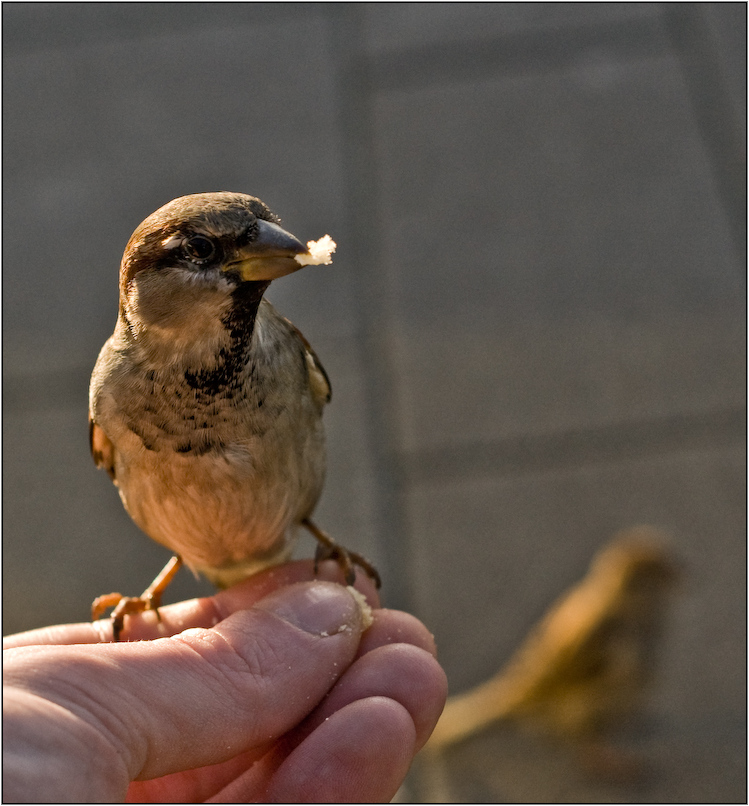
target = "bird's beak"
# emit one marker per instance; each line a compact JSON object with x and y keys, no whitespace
{"x":269,"y":255}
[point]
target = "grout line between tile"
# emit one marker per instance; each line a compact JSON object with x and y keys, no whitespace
{"x":554,"y":451}
{"x":521,"y":52}
{"x":364,"y":229}
{"x":722,"y":133}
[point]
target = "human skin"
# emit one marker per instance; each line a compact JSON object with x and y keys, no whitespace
{"x":271,"y":691}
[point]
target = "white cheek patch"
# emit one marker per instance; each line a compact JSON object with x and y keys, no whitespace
{"x":318,"y":252}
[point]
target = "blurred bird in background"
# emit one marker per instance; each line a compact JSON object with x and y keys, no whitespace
{"x":585,"y":668}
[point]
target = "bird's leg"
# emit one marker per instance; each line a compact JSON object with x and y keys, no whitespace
{"x":328,"y":549}
{"x":150,"y":599}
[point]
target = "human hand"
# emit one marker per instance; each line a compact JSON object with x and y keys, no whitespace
{"x":269,"y":691}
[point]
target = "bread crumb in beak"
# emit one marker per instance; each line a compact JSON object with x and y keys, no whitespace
{"x":318,"y":252}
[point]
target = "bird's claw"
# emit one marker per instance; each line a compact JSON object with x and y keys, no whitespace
{"x":346,"y":560}
{"x":328,"y":549}
{"x":123,"y":606}
{"x":150,"y":599}
{"x":102,"y":603}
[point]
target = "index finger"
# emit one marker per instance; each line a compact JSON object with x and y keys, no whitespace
{"x":204,"y":612}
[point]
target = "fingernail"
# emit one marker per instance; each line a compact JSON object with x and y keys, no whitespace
{"x":320,"y":608}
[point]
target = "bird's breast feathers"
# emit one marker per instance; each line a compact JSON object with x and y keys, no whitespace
{"x":212,"y":459}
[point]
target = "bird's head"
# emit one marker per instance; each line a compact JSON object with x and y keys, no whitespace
{"x":197,"y":255}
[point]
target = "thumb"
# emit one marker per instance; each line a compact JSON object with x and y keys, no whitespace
{"x":205,"y":695}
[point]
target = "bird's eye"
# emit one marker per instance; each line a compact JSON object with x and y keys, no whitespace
{"x":199,"y":248}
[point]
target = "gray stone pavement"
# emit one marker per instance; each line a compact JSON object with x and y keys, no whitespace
{"x":535,"y":322}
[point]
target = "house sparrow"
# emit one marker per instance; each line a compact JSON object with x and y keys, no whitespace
{"x":206,"y":404}
{"x":587,"y":664}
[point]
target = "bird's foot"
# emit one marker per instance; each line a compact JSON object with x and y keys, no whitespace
{"x":123,"y":606}
{"x":150,"y":599}
{"x":328,"y":549}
